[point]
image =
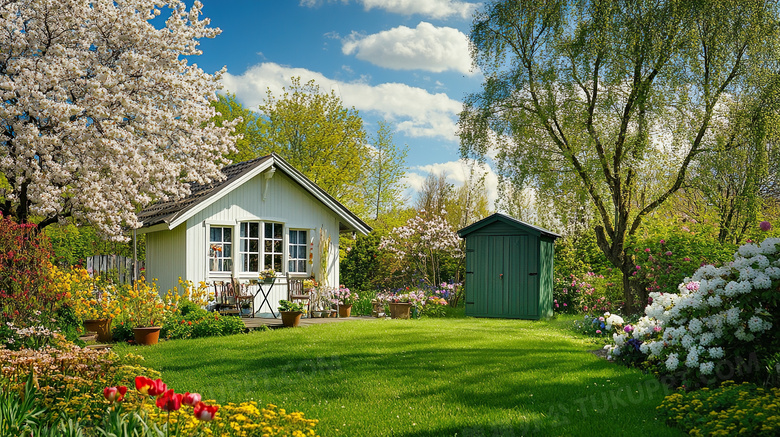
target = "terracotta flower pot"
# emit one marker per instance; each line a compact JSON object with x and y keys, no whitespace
{"x":101,"y":326}
{"x":291,"y":318}
{"x":345,"y":310}
{"x":148,"y":335}
{"x":400,"y":310}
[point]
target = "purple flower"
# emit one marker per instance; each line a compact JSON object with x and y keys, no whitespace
{"x":628,"y":328}
{"x":669,"y":253}
{"x":765,"y":226}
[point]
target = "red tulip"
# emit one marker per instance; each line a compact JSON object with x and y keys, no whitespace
{"x":205,"y":412}
{"x":115,"y":394}
{"x":190,"y":399}
{"x":169,"y":401}
{"x":143,"y":384}
{"x":158,"y":387}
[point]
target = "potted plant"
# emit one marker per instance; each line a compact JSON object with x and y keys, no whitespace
{"x":96,"y":307}
{"x":344,"y":299}
{"x":291,"y":312}
{"x":401,"y":304}
{"x":267,"y":276}
{"x":246,"y":308}
{"x":147,"y":310}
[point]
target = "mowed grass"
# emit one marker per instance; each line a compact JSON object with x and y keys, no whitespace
{"x":433,"y":377}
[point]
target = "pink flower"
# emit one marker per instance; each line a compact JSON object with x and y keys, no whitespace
{"x":556,"y":305}
{"x":628,"y":328}
{"x":647,"y":250}
{"x":205,"y":412}
{"x":564,"y":304}
{"x":190,"y":399}
{"x":639,"y":267}
{"x":686,"y":259}
{"x":657,"y":328}
{"x":662,"y":241}
{"x":598,"y":331}
{"x":765,"y":226}
{"x":668,"y":253}
{"x":115,"y":394}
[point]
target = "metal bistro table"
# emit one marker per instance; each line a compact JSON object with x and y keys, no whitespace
{"x":265,"y":293}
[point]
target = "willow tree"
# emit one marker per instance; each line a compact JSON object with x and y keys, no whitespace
{"x":599,"y":92}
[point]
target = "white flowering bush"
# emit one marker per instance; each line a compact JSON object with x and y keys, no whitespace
{"x":422,"y":246}
{"x":102,"y":114}
{"x":720,"y":316}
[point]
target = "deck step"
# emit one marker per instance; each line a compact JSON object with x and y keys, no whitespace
{"x":99,"y":346}
{"x":88,"y":337}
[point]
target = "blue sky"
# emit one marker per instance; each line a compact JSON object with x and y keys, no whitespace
{"x":403,"y":61}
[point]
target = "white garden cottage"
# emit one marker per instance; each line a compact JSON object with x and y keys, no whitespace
{"x":265,"y":214}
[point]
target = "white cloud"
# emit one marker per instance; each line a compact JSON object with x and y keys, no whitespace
{"x":425,"y":47}
{"x":414,"y":111}
{"x":430,"y":8}
{"x":456,"y":172}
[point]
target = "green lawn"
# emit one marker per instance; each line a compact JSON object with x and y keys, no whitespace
{"x":434,"y":377}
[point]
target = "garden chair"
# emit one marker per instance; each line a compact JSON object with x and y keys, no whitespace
{"x":296,"y":293}
{"x":225,"y":295}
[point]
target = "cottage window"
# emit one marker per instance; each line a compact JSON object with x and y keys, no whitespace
{"x":249,"y":246}
{"x":297,"y":252}
{"x":273,"y":246}
{"x":221,"y":249}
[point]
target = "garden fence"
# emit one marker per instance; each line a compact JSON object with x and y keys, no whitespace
{"x":116,"y":267}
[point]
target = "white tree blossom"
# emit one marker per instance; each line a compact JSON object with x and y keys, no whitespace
{"x":101,"y":112}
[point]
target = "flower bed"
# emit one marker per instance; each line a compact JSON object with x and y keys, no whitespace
{"x":720,"y":315}
{"x":59,"y":387}
{"x":727,"y":410}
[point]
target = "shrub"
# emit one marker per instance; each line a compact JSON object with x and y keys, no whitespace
{"x":425,"y":248}
{"x":201,"y":323}
{"x":26,"y":287}
{"x":592,"y":294}
{"x":727,"y":410}
{"x":664,"y":261}
{"x":720,"y":315}
{"x":359,"y":267}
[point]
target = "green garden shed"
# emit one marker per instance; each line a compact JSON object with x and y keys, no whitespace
{"x":509,"y":269}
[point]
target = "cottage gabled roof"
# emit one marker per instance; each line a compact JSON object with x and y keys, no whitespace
{"x":173,"y":213}
{"x":511,"y":221}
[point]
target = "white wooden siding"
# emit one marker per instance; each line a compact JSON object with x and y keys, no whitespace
{"x":286,"y":202}
{"x":165,"y":253}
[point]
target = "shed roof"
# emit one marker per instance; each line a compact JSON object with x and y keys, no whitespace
{"x":173,"y":213}
{"x":511,"y":221}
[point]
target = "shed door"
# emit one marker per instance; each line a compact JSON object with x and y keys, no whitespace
{"x":501,"y":284}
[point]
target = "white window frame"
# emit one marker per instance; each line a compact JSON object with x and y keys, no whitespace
{"x":283,"y":252}
{"x":241,"y":253}
{"x":220,"y":273}
{"x":305,"y":259}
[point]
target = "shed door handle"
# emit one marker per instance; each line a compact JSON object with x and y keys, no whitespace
{"x":533,"y":274}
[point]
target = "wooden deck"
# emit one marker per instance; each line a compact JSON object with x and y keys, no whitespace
{"x":256,"y":322}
